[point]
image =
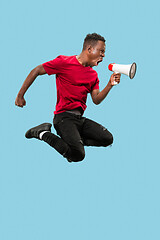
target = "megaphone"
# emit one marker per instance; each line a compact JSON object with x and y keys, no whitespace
{"x":129,"y":70}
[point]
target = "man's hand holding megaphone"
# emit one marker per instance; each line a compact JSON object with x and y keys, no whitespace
{"x":115,"y":79}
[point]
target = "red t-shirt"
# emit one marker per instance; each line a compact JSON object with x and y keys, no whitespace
{"x":73,"y":80}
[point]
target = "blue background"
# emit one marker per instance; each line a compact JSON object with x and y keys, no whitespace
{"x":114,"y":193}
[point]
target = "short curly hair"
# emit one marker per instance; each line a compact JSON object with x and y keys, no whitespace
{"x":92,"y":39}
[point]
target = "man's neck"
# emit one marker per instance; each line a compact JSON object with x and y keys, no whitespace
{"x":82,"y":59}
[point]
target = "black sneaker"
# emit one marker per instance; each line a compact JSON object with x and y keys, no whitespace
{"x":69,"y":160}
{"x":34,"y":132}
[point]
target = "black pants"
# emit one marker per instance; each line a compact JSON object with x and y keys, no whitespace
{"x":76,"y":132}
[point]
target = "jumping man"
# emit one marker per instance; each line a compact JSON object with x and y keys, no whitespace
{"x":75,"y":78}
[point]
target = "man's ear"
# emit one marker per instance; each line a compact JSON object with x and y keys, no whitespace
{"x":89,"y":48}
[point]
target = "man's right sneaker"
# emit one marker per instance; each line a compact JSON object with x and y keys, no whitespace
{"x":69,"y":160}
{"x":35,"y":131}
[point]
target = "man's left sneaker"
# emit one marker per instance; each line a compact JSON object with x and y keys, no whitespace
{"x":35,"y":131}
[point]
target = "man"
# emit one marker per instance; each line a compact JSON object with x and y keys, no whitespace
{"x":75,"y":78}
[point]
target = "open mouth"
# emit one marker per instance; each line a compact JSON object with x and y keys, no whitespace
{"x":99,"y":61}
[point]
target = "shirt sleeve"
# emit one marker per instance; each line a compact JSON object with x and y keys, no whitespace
{"x":96,"y":85}
{"x":54,"y":66}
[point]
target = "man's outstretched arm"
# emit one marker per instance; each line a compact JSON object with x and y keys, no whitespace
{"x":98,"y":96}
{"x":39,"y":70}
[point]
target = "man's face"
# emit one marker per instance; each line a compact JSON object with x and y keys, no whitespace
{"x":96,"y":53}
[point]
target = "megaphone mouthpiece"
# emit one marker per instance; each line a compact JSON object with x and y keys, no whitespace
{"x":110,"y":66}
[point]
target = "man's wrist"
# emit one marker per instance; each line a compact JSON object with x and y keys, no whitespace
{"x":20,"y":94}
{"x":110,"y":85}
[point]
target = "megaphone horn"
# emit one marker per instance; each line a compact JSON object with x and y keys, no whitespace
{"x":129,"y":70}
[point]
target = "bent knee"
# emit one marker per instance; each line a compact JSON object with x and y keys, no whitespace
{"x":108,"y":140}
{"x":111,"y":139}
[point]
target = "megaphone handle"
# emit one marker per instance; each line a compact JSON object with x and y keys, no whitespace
{"x":115,"y":83}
